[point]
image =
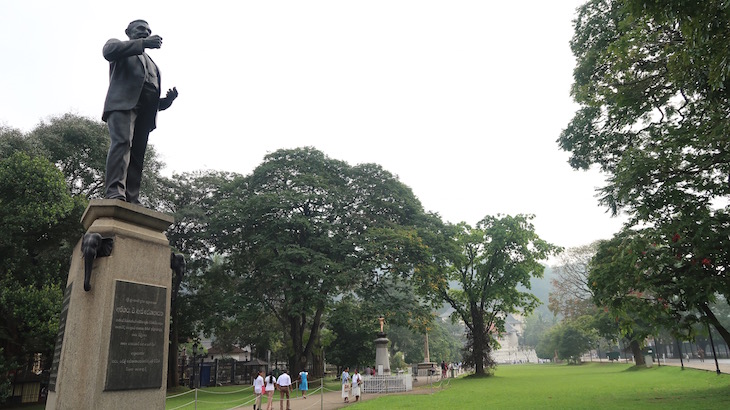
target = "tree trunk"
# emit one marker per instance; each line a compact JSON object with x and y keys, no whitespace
{"x":716,"y":323}
{"x":297,"y":358}
{"x":479,"y":342}
{"x":317,"y":364}
{"x":636,"y":351}
{"x":300,"y":351}
{"x":172,"y":367}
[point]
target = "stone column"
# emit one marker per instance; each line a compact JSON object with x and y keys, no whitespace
{"x":112,"y":347}
{"x":382,"y":356}
{"x":426,"y":353}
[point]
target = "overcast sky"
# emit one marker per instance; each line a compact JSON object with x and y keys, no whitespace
{"x":463,"y":100}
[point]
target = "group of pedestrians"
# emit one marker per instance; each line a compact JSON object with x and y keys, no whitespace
{"x":283,"y":383}
{"x":351,"y":384}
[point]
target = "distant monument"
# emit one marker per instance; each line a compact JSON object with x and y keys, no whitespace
{"x":385,"y":381}
{"x":382,"y":357}
{"x":426,"y":367}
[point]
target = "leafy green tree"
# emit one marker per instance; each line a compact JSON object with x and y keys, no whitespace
{"x":684,"y":263}
{"x":574,"y":340}
{"x":398,"y":361}
{"x":78,"y":147}
{"x":407,"y":341}
{"x":446,"y":341}
{"x":577,"y":337}
{"x":652,"y":85}
{"x":649,"y":274}
{"x":188,"y":197}
{"x":619,"y":284}
{"x":303,"y":229}
{"x":547,"y":346}
{"x":354,"y":334}
{"x":536,"y":325}
{"x":487,"y":262}
{"x":653,"y":103}
{"x":568,"y":340}
{"x":33,"y":203}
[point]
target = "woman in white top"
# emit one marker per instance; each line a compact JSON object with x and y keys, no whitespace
{"x":270,"y":383}
{"x":356,"y":382}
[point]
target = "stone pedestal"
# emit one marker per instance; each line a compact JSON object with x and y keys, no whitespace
{"x":382,"y":357}
{"x":428,"y":369}
{"x":112,"y":346}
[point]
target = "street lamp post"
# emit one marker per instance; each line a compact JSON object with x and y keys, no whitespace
{"x":321,"y":381}
{"x":196,"y":353}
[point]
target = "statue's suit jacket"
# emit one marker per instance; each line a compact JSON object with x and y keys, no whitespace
{"x":127,"y":73}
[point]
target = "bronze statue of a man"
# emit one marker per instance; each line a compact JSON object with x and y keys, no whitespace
{"x":131,"y":107}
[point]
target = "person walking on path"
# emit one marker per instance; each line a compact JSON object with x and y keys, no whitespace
{"x":303,"y":386}
{"x":356,"y":383}
{"x":258,"y":389}
{"x":284,"y":383}
{"x":269,"y":389}
{"x":346,"y":384}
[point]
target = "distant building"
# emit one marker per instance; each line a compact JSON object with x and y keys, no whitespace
{"x":236,"y":353}
{"x":510,"y":350}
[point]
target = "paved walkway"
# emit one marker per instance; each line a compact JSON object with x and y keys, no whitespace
{"x":332,"y":400}
{"x":708,"y":364}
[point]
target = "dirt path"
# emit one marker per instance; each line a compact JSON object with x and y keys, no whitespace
{"x":332,"y":400}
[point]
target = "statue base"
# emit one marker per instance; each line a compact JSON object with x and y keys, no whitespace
{"x":112,"y":342}
{"x":382,"y":356}
{"x":428,"y":369}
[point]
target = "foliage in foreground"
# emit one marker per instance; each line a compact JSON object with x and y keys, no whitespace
{"x":652,"y":84}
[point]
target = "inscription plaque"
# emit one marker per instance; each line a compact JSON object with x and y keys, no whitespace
{"x":59,"y":337}
{"x":136,"y":345}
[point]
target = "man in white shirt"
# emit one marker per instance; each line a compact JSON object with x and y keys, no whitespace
{"x":258,"y":389}
{"x":284,"y":383}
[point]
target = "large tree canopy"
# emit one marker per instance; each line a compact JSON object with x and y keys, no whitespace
{"x":653,"y":103}
{"x":651,"y":80}
{"x":487,"y":262}
{"x":34,"y":202}
{"x":304,"y":228}
{"x":49,"y":174}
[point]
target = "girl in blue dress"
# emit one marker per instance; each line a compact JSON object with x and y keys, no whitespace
{"x":303,"y":383}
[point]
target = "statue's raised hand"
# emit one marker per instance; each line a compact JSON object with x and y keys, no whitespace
{"x":153,"y":41}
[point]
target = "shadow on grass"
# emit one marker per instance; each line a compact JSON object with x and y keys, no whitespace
{"x":478,"y":376}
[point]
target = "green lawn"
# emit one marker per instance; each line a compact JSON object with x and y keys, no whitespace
{"x":589,"y":386}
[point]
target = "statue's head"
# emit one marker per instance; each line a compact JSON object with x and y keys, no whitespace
{"x":138,"y":29}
